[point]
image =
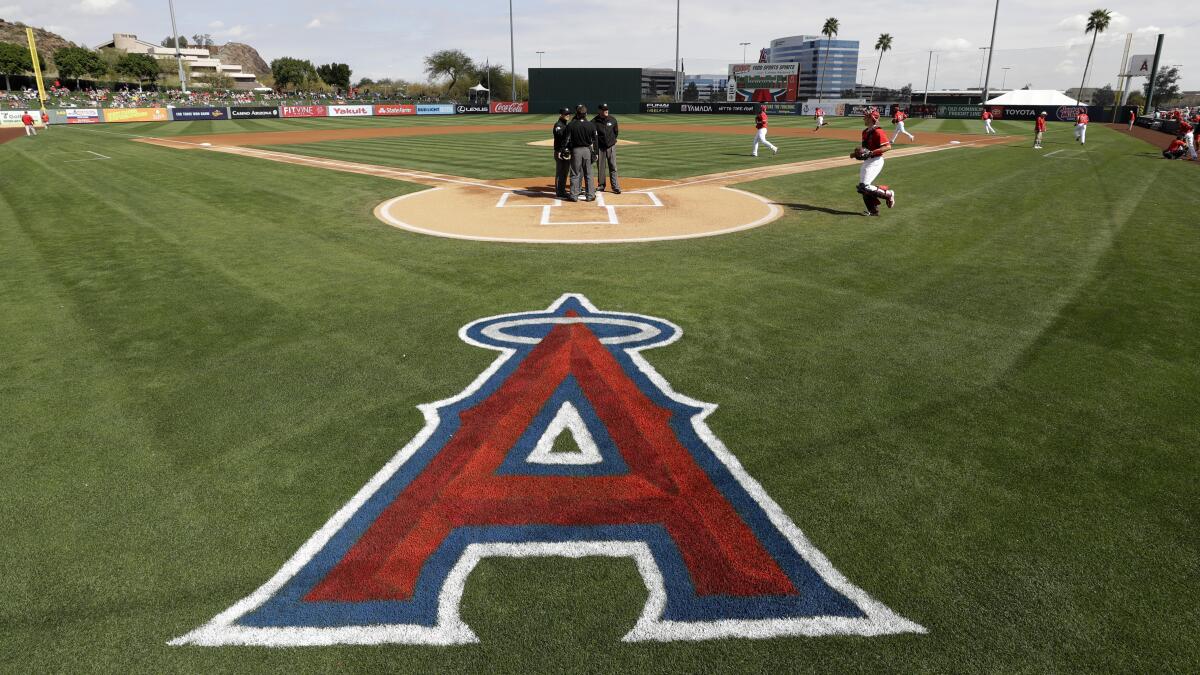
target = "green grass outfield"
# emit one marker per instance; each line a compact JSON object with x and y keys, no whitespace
{"x":982,"y":407}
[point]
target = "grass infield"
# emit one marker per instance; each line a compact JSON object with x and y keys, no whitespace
{"x":981,"y":407}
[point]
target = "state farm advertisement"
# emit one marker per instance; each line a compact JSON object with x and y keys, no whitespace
{"x":508,"y":107}
{"x":351,"y":110}
{"x":304,"y":111}
{"x":392,"y":110}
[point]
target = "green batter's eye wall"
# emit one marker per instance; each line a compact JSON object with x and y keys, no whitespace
{"x":554,"y":88}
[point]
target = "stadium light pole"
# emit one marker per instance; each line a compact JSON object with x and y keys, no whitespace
{"x":512,"y":53}
{"x":991,"y":50}
{"x":178,"y":56}
{"x":937,"y":62}
{"x":744,"y":45}
{"x":678,"y":84}
{"x":927,"y":65}
{"x":540,"y":59}
{"x":1004,"y":78}
{"x":980,"y":84}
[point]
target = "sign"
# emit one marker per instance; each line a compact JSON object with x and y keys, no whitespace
{"x":389,"y":110}
{"x":351,"y":111}
{"x":435,"y":109}
{"x":569,"y":445}
{"x":471,"y":109}
{"x":188,"y":114}
{"x":762,"y":82}
{"x":962,"y":112}
{"x":137,"y":115}
{"x":860,"y":109}
{"x":1140,"y":66}
{"x":1068,"y":113}
{"x":508,"y":107}
{"x":253,"y":112}
{"x":13,"y":117}
{"x":82,"y":115}
{"x":303,"y":111}
{"x":660,"y":108}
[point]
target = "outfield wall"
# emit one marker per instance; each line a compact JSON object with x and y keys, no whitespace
{"x":256,"y":112}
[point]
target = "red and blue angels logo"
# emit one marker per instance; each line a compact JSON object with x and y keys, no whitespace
{"x":645,"y":479}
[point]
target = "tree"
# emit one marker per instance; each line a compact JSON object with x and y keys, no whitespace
{"x":75,"y":62}
{"x":691,"y":92}
{"x":169,"y":41}
{"x":1166,"y":86}
{"x":451,"y":63}
{"x":140,"y":67}
{"x":294,"y":73}
{"x":14,"y":60}
{"x":1097,"y":23}
{"x":829,"y":30}
{"x":883,"y":44}
{"x":200,"y":40}
{"x":1104,"y":96}
{"x":335,"y":74}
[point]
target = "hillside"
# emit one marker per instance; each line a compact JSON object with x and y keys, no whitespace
{"x":243,"y":55}
{"x":47,"y":42}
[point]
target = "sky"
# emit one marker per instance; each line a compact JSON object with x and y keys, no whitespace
{"x":1040,"y":42}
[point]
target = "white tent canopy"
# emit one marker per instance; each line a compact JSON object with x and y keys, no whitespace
{"x":1033,"y":97}
{"x":479,"y":87}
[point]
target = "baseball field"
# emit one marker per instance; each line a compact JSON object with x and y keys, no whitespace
{"x":976,"y":415}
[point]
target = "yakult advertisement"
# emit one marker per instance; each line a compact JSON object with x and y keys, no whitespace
{"x":351,"y":110}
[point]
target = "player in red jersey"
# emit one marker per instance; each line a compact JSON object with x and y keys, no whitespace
{"x":1039,"y":128}
{"x":898,"y":118}
{"x":987,"y":122}
{"x":1081,"y":122}
{"x":1132,"y":118}
{"x":1188,"y":134}
{"x":760,"y":136}
{"x":820,"y":115}
{"x":1176,"y":150}
{"x":874,"y":143}
{"x":27,"y":120}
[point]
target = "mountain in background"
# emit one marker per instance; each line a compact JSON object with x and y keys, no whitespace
{"x":47,"y":42}
{"x":236,"y":53}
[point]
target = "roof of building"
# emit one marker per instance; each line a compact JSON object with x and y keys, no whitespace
{"x":1033,"y":97}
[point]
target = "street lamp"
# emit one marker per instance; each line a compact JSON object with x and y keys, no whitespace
{"x":744,"y":45}
{"x":540,"y":58}
{"x":1004,"y":78}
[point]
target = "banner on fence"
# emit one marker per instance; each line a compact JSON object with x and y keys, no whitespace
{"x":351,"y":110}
{"x":252,"y":112}
{"x":508,"y":107}
{"x":435,"y":109}
{"x":462,"y":109}
{"x":390,"y":110}
{"x":82,"y":115}
{"x":189,"y":114}
{"x":303,"y":111}
{"x":137,"y":115}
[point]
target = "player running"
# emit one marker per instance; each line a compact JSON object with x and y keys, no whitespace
{"x":1039,"y":128}
{"x":820,"y":115}
{"x":898,"y":118}
{"x":1081,"y":122}
{"x":987,"y":122}
{"x":874,"y":143}
{"x":760,"y":136}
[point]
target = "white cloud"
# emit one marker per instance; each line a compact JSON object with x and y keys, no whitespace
{"x":951,"y":44}
{"x":216,"y":25}
{"x":102,"y":6}
{"x":315,"y":23}
{"x":11,"y":10}
{"x":238,"y":31}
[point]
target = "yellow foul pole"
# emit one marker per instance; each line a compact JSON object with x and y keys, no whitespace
{"x":37,"y":68}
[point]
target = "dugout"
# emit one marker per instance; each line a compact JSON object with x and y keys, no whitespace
{"x":554,"y":88}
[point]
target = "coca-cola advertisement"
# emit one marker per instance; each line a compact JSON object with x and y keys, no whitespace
{"x":304,"y":111}
{"x":509,"y":107}
{"x":389,"y":110}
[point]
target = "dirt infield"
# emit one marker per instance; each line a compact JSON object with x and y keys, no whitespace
{"x":268,"y":138}
{"x":525,"y":210}
{"x":1158,"y":139}
{"x":9,"y":133}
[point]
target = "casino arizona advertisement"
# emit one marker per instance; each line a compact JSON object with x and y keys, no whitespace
{"x":763,"y":82}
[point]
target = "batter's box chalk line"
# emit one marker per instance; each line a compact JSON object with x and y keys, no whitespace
{"x":548,"y":209}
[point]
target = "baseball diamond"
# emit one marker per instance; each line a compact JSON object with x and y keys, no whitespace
{"x":543,"y":361}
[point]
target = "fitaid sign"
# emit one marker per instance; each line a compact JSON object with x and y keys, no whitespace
{"x":351,"y":110}
{"x":394,"y":110}
{"x":508,"y":107}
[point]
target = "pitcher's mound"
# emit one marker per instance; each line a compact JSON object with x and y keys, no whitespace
{"x":549,"y":143}
{"x":526,"y":211}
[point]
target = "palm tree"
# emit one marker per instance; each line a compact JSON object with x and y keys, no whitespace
{"x":1097,"y":23}
{"x":883,"y":44}
{"x":829,"y":30}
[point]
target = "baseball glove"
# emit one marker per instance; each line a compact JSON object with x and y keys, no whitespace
{"x":860,"y":153}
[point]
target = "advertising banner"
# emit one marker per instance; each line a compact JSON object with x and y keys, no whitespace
{"x":351,"y":110}
{"x":762,"y":82}
{"x":82,"y":115}
{"x":832,"y":107}
{"x":189,"y":114}
{"x":782,"y":108}
{"x":57,"y":115}
{"x":252,"y":112}
{"x":508,"y":107}
{"x":12,"y":118}
{"x":389,"y":110}
{"x":461,"y":109}
{"x":435,"y":109}
{"x":137,"y":115}
{"x":1139,"y":66}
{"x":303,"y":111}
{"x":962,"y":112}
{"x":860,"y":109}
{"x":660,"y":108}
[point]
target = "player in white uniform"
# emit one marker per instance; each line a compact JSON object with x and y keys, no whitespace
{"x":760,"y":136}
{"x":898,"y":118}
{"x":987,"y":122}
{"x":820,"y":115}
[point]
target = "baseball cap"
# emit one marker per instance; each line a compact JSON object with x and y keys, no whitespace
{"x":1042,"y":114}
{"x":564,"y":111}
{"x":604,"y":106}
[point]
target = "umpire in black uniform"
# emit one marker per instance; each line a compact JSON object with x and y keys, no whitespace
{"x":606,"y":148}
{"x":581,"y":138}
{"x":562,"y":154}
